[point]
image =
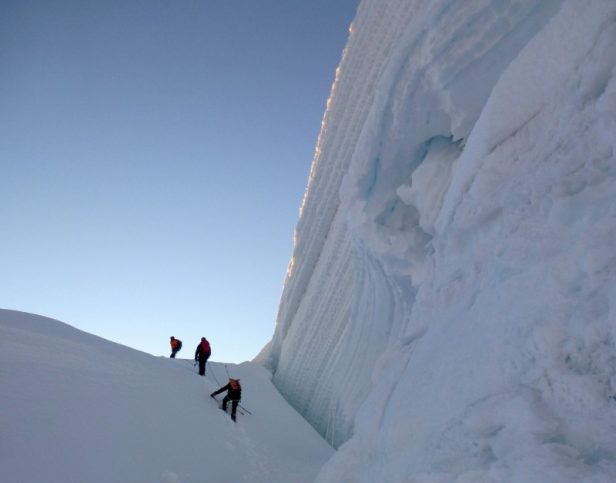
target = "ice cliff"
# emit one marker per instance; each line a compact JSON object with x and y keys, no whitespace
{"x":449,"y":311}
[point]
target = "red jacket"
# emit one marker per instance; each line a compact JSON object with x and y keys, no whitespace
{"x":203,"y":349}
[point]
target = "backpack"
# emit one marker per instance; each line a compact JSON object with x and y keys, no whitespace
{"x":179,"y":346}
{"x":205,"y":348}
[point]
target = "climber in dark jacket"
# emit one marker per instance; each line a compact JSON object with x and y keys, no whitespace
{"x":234,"y":394}
{"x":202,"y":354}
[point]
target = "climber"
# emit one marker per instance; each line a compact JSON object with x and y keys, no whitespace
{"x":234,"y":394}
{"x":202,"y":354}
{"x":176,"y":345}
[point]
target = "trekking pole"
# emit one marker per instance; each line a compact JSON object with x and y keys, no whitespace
{"x":240,"y":406}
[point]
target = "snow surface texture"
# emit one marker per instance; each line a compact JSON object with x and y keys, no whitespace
{"x":77,"y":408}
{"x":449,"y":312}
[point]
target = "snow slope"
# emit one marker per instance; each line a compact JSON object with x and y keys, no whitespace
{"x":77,"y":408}
{"x":448,"y":313}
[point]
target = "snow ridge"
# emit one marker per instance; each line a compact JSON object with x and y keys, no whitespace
{"x":447,"y":314}
{"x":76,"y":407}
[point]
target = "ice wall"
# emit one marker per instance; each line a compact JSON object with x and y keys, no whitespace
{"x":448,"y":312}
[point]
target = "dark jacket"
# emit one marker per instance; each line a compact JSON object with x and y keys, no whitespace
{"x":234,"y":390}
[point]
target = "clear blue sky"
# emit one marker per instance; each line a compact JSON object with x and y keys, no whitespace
{"x":153,"y":158}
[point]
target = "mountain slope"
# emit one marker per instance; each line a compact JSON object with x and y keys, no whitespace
{"x":75,"y":407}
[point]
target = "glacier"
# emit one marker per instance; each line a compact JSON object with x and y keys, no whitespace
{"x":448,"y":312}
